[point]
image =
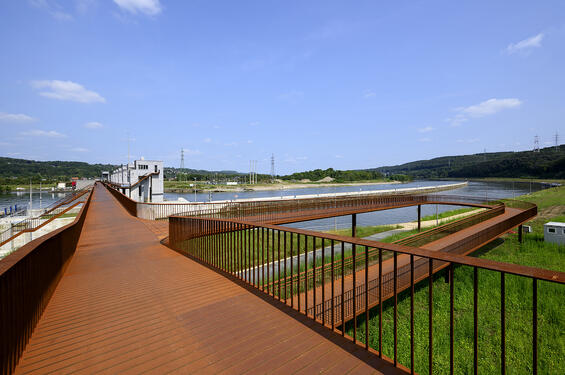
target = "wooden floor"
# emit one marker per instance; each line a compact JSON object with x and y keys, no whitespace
{"x":128,"y":304}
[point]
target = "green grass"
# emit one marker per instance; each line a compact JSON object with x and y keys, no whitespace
{"x":551,"y":311}
{"x":445,"y":214}
{"x":367,"y":231}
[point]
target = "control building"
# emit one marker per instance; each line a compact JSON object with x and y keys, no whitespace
{"x":141,"y":180}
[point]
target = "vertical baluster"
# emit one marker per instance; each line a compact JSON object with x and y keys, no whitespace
{"x":475,"y":320}
{"x":263,"y":259}
{"x":502,"y":323}
{"x":380,"y":303}
{"x":333,"y":276}
{"x":367,"y":297}
{"x":354,"y":293}
{"x":279,"y":261}
{"x":395,"y":318}
{"x":298,"y":269}
{"x":411,"y":314}
{"x":306,"y":275}
{"x":323,"y":283}
{"x":314,"y":277}
{"x":285,"y":260}
{"x":342,"y":288}
{"x":535,"y":326}
{"x":451,"y":319}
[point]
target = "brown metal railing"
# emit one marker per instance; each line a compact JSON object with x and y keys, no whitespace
{"x":258,"y":253}
{"x":129,"y":204}
{"x":297,"y":209}
{"x":28,"y":278}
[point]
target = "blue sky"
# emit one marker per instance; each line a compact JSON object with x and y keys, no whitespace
{"x":319,"y":84}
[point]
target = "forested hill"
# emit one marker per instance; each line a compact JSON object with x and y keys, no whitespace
{"x":547,"y":163}
{"x":19,"y":168}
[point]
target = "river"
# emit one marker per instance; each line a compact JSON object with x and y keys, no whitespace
{"x":489,"y":190}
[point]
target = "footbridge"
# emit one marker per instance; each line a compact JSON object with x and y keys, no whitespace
{"x":107,"y":293}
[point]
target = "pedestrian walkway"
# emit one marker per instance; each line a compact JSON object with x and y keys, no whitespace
{"x":127,"y":304}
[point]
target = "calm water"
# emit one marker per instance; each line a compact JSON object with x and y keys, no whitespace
{"x":490,"y":190}
{"x":22,"y":199}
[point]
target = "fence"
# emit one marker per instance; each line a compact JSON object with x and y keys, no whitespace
{"x":28,"y":278}
{"x":258,"y":253}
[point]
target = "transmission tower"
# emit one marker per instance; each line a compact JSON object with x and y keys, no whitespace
{"x":536,"y":144}
{"x":182,"y":158}
{"x":556,"y":141}
{"x":272,"y":167}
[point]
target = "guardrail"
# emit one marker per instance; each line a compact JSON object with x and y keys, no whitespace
{"x":257,"y":254}
{"x":28,"y":278}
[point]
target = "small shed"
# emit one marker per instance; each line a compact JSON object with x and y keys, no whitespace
{"x":554,"y":232}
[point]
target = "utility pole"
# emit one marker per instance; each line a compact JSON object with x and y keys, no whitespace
{"x":30,"y":198}
{"x":536,"y":143}
{"x":272,"y":168}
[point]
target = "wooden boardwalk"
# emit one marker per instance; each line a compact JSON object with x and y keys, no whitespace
{"x":128,"y":304}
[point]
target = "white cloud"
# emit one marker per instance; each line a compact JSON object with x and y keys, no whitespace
{"x":426,"y":129}
{"x":93,"y":125}
{"x":249,"y":141}
{"x":42,"y":133}
{"x":83,"y":6}
{"x":67,"y":90}
{"x":526,"y":44}
{"x":339,"y":156}
{"x":15,"y":117}
{"x":149,"y":7}
{"x":468,"y":140}
{"x":207,"y":140}
{"x":79,"y":149}
{"x":369,"y":94}
{"x":254,"y":123}
{"x":53,"y":8}
{"x":486,"y":108}
{"x":425,"y":139}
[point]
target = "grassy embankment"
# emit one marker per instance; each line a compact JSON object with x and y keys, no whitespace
{"x":551,"y":311}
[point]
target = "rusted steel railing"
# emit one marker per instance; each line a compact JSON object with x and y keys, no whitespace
{"x":307,"y":270}
{"x":28,"y":278}
{"x":129,"y":204}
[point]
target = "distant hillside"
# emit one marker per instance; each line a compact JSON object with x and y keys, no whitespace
{"x":547,"y":163}
{"x":14,"y":170}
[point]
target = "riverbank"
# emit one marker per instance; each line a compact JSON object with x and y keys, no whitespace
{"x":169,"y":186}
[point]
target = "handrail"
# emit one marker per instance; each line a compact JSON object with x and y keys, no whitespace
{"x":28,"y":278}
{"x":26,"y":223}
{"x":41,"y":225}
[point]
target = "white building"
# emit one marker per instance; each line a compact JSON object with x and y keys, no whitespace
{"x":141,"y":180}
{"x":554,"y":232}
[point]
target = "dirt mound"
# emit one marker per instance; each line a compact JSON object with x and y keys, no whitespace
{"x":326,"y":179}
